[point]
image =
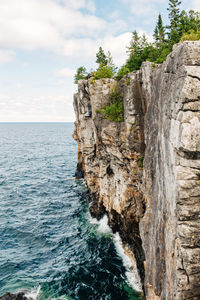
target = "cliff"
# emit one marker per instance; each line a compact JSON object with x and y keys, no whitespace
{"x":154,"y":204}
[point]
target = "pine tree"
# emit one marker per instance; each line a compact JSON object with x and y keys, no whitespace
{"x":174,"y":17}
{"x":155,"y":34}
{"x":135,"y":46}
{"x":101,"y":58}
{"x":110,"y":63}
{"x":81,"y":73}
{"x":159,"y":31}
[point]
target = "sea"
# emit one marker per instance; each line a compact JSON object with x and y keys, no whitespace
{"x":50,"y":247}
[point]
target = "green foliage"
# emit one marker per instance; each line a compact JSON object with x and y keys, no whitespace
{"x":146,"y":52}
{"x":92,"y":80}
{"x":159,"y":32}
{"x":174,"y":17}
{"x":191,"y":36}
{"x":106,"y":67}
{"x":103,"y":72}
{"x":101,"y":58}
{"x":115,"y":110}
{"x":164,"y":51}
{"x":81,"y":73}
{"x":122,"y":72}
{"x":110,"y":63}
{"x":127,"y":81}
{"x":182,"y":26}
{"x":138,"y":51}
{"x":140,"y":162}
{"x":189,"y":23}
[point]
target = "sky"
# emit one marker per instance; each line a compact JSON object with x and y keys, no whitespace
{"x":43,"y":42}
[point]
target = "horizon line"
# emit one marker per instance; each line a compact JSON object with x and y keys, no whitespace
{"x":1,"y":122}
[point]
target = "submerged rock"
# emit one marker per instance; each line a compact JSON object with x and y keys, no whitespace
{"x":144,"y":173}
{"x":18,"y":296}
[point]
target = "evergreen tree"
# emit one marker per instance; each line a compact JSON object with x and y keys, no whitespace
{"x":110,"y":63}
{"x":143,"y":42}
{"x":106,"y":67}
{"x":135,"y":42}
{"x":101,"y":58}
{"x":194,"y":20}
{"x":189,"y":22}
{"x":139,"y":51}
{"x":174,"y":17}
{"x":81,"y":73}
{"x":159,"y":31}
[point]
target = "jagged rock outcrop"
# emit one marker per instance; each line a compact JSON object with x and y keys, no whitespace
{"x":155,"y":206}
{"x":18,"y":296}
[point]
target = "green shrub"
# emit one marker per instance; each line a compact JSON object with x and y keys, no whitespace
{"x":122,"y":72}
{"x":115,"y":110}
{"x":163,"y":55}
{"x":92,"y":80}
{"x":191,"y":36}
{"x":127,"y":81}
{"x":103,"y":72}
{"x":140,"y":162}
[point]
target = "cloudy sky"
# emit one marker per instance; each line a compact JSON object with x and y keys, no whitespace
{"x":43,"y":42}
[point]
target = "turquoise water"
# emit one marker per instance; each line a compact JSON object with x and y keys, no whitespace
{"x":47,"y":240}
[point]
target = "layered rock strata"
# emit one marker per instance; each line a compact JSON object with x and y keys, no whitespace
{"x":155,"y":205}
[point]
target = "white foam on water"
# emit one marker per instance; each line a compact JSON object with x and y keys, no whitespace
{"x":33,"y":293}
{"x":131,"y":273}
{"x":132,"y":276}
{"x":102,"y":224}
{"x":59,"y":298}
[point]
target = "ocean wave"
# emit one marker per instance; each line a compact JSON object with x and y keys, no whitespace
{"x":131,"y":268}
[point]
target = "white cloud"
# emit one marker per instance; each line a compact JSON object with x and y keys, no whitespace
{"x":54,"y":25}
{"x":196,"y":5}
{"x":46,"y":108}
{"x":143,"y":7}
{"x":117,"y":45}
{"x":114,"y":14}
{"x":91,"y":6}
{"x":46,"y":24}
{"x":80,"y":4}
{"x":84,"y":48}
{"x":6,"y":56}
{"x":66,"y":72}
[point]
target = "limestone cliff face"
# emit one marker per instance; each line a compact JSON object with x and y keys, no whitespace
{"x":154,"y":206}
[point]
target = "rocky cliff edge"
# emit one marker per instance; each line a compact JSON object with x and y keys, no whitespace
{"x":144,"y":172}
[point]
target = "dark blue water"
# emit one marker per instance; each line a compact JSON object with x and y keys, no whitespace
{"x":46,"y":238}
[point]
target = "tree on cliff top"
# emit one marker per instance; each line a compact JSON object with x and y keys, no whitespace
{"x":174,"y":17}
{"x":110,"y":63}
{"x":106,"y":67}
{"x":81,"y":73}
{"x":159,"y":31}
{"x":101,"y":58}
{"x":182,"y":26}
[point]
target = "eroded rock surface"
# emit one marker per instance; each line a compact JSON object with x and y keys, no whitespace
{"x":18,"y":296}
{"x":154,"y":207}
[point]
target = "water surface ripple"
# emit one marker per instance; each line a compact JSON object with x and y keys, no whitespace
{"x":46,"y":238}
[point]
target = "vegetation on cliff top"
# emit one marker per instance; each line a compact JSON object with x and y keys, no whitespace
{"x":182,"y":26}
